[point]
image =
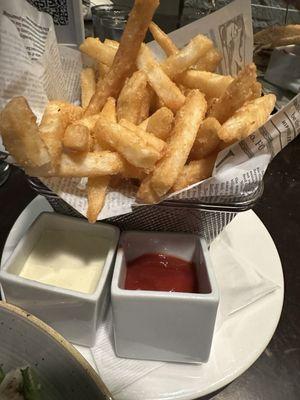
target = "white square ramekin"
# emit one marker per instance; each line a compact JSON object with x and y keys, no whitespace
{"x":164,"y":326}
{"x":74,"y":314}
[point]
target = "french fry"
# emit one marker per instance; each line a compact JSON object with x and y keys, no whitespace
{"x":184,"y":90}
{"x":256,"y":90}
{"x":145,"y":192}
{"x":132,"y":147}
{"x":146,"y":102}
{"x":236,"y":94}
{"x":102,"y":70}
{"x":52,"y":128}
{"x":110,"y":114}
{"x":186,"y":57}
{"x":187,"y":122}
{"x":209,"y":62}
{"x":88,"y":85}
{"x":195,"y":171}
{"x":223,"y":145}
{"x":166,"y":90}
{"x":88,"y":122}
{"x":247,"y":119}
{"x":116,"y":181}
{"x":89,"y":164}
{"x":156,"y":103}
{"x":211,"y":101}
{"x":109,"y":110}
{"x":163,"y":39}
{"x":97,"y":50}
{"x":129,"y":171}
{"x":97,"y":186}
{"x":207,"y":139}
{"x":160,"y":123}
{"x":209,"y":83}
{"x":71,"y":112}
{"x":21,"y":136}
{"x":150,"y":139}
{"x":112,"y":43}
{"x":96,"y":190}
{"x":134,"y":100}
{"x":76,"y":138}
{"x":125,"y":59}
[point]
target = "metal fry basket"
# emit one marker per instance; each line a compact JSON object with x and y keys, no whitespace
{"x":205,"y":216}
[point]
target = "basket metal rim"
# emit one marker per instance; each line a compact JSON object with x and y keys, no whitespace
{"x":220,"y":206}
{"x":234,"y":206}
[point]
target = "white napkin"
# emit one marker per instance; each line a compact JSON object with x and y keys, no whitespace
{"x":240,"y":285}
{"x":117,"y":373}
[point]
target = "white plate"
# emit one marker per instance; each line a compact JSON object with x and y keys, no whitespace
{"x":236,"y":346}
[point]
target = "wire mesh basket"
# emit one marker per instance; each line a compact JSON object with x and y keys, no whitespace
{"x":205,"y":216}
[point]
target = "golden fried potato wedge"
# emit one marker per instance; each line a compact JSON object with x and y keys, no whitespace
{"x":166,"y":90}
{"x":76,"y":138}
{"x":209,"y":62}
{"x":163,"y":39}
{"x":134,"y":100}
{"x":159,"y":123}
{"x":209,"y":83}
{"x":195,"y":171}
{"x":96,"y":191}
{"x":187,"y":56}
{"x":186,"y":125}
{"x":20,"y":134}
{"x":207,"y":139}
{"x":150,"y":139}
{"x":88,"y":85}
{"x":247,"y":119}
{"x":89,"y":164}
{"x":132,"y":147}
{"x":237,"y":93}
{"x":97,"y":50}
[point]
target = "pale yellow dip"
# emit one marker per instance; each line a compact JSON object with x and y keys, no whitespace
{"x":69,"y":260}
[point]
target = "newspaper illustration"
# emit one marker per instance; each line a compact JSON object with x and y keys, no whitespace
{"x":33,"y":65}
{"x":233,"y":46}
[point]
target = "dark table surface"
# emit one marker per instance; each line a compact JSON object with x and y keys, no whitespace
{"x":276,"y":374}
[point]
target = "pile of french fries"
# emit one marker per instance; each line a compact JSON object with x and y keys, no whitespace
{"x":159,"y":123}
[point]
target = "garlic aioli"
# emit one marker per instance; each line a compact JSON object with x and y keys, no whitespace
{"x":70,"y":260}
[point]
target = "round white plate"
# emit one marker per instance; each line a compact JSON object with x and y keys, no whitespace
{"x":236,"y":346}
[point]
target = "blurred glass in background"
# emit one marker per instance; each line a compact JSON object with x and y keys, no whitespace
{"x":264,"y":12}
{"x":167,"y":15}
{"x":195,"y":9}
{"x":109,"y":21}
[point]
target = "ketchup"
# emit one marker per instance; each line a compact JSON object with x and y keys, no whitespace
{"x":161,"y":272}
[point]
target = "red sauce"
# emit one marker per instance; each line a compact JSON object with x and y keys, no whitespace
{"x":161,"y":272}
